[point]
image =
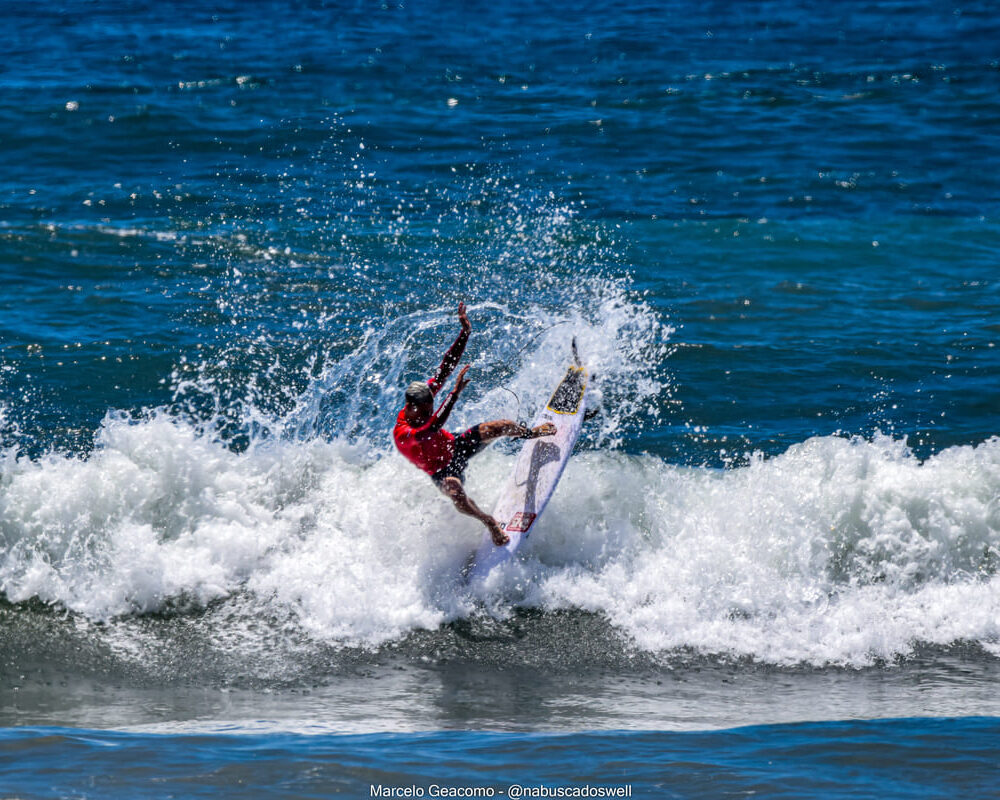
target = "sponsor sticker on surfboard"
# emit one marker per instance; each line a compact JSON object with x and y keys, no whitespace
{"x":521,"y":521}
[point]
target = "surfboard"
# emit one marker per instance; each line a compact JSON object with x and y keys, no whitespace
{"x":537,"y":470}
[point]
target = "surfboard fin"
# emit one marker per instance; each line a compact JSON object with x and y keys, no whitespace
{"x":576,"y":354}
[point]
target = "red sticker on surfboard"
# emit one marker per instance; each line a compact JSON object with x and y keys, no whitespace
{"x":521,"y":521}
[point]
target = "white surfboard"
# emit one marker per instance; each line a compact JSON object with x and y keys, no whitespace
{"x":539,"y":466}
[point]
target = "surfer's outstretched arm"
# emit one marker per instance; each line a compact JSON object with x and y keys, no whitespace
{"x":440,"y":417}
{"x":454,"y":354}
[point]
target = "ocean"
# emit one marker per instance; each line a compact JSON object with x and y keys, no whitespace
{"x":231,"y":234}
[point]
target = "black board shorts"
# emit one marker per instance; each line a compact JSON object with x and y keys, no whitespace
{"x":466,"y":446}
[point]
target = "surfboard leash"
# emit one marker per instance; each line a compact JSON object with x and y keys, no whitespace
{"x":531,"y":341}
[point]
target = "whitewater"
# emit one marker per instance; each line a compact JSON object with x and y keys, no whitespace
{"x":839,"y":551}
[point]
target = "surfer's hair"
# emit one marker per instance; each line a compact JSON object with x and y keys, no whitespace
{"x":419,"y":393}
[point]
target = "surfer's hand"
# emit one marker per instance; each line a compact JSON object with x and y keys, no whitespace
{"x":461,"y":382}
{"x":463,"y":319}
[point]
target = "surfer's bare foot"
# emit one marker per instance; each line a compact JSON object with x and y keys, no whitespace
{"x":499,"y":537}
{"x":546,"y":429}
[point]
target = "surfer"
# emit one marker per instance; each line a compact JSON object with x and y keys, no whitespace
{"x":420,"y":435}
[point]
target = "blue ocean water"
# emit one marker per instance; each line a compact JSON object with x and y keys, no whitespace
{"x":230,"y":235}
{"x":880,"y":758}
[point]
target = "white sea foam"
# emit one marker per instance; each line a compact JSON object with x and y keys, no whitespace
{"x":837,"y":551}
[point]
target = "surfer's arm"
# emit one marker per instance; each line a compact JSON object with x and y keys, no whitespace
{"x":440,"y":417}
{"x":454,"y":354}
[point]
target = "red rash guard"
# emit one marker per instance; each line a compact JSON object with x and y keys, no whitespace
{"x":429,"y":450}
